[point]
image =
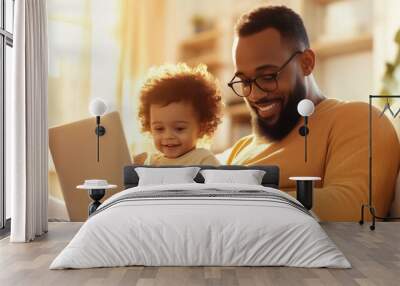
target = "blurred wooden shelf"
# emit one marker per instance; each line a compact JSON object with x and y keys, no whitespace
{"x":203,"y":48}
{"x":201,"y":39}
{"x":324,"y":49}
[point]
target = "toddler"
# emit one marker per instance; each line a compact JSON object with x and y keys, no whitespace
{"x":178,"y":106}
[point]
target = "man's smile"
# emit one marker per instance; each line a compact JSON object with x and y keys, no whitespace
{"x":268,"y":108}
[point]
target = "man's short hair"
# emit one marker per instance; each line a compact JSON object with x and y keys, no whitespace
{"x":285,"y":20}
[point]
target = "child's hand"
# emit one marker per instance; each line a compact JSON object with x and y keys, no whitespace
{"x":140,"y":158}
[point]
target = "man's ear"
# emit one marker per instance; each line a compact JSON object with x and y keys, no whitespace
{"x":308,"y":61}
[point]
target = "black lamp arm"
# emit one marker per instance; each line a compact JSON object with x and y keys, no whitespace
{"x":100,"y":131}
{"x":303,"y":131}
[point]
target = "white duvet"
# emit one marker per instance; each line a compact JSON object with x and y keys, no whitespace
{"x":200,"y":231}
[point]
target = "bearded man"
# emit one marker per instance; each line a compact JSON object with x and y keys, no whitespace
{"x":274,"y":63}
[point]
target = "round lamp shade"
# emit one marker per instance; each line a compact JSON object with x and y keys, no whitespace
{"x":97,"y":107}
{"x":305,"y":107}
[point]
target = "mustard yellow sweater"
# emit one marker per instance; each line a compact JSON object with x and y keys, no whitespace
{"x":338,"y":153}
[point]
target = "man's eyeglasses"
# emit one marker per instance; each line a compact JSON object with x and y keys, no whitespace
{"x":265,"y":82}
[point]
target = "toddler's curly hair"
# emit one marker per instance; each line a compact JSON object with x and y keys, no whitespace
{"x":175,"y":83}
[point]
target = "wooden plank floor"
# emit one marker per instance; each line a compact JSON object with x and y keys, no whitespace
{"x":375,"y":257}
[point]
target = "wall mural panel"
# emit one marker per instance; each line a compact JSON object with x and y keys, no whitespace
{"x":182,"y":88}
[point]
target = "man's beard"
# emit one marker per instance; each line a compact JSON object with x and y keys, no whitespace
{"x":287,"y":120}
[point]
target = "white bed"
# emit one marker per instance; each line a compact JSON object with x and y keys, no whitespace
{"x":251,"y":225}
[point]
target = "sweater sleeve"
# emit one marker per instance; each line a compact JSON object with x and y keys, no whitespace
{"x":345,"y":184}
{"x":210,"y":160}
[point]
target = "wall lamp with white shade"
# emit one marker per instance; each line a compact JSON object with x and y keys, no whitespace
{"x":97,"y":108}
{"x":305,"y":109}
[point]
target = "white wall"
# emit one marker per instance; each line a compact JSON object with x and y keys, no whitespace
{"x":104,"y":51}
{"x":348,"y":77}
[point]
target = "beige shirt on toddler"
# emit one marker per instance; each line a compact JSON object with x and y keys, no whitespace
{"x":198,"y":156}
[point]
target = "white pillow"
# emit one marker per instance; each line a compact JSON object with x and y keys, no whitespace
{"x":248,"y":177}
{"x":163,"y":176}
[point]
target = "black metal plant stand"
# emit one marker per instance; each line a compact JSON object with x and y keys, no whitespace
{"x":370,"y":206}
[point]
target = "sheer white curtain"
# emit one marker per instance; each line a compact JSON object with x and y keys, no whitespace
{"x":27,"y":139}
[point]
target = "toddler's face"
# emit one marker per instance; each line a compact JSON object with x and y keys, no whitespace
{"x":174,"y":127}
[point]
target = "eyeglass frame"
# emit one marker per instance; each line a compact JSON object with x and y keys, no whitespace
{"x":274,"y":75}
